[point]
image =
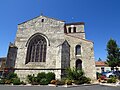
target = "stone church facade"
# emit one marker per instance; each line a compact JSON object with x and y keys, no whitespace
{"x":49,"y":45}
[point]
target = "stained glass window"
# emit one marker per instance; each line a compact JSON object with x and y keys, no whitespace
{"x":37,"y":49}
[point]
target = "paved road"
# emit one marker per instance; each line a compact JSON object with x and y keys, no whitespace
{"x":93,"y":87}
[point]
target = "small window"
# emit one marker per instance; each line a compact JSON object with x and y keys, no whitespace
{"x":74,"y":29}
{"x":102,"y":69}
{"x":69,"y":29}
{"x":78,"y":50}
{"x":42,"y":20}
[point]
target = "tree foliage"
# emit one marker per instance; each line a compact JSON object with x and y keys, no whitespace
{"x":99,"y":59}
{"x":113,"y":53}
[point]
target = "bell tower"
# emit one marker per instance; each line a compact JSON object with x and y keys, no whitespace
{"x":75,"y":29}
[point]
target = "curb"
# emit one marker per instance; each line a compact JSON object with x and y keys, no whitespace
{"x":66,"y":86}
{"x":108,"y":84}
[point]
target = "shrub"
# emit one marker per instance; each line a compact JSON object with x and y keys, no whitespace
{"x":23,"y":83}
{"x":86,"y":80}
{"x":112,"y":80}
{"x":50,"y":76}
{"x":77,"y":75}
{"x":7,"y":81}
{"x":77,"y":82}
{"x":34,"y":81}
{"x":2,"y":81}
{"x":11,"y":75}
{"x":44,"y":81}
{"x":62,"y":82}
{"x":74,"y":74}
{"x":16,"y":81}
{"x":40,"y":76}
{"x":30,"y":78}
{"x":53,"y":81}
{"x":82,"y":80}
{"x":68,"y":82}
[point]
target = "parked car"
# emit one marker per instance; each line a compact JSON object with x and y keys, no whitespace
{"x":108,"y":74}
{"x":117,"y":73}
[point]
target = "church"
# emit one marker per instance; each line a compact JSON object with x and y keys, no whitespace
{"x":45,"y":44}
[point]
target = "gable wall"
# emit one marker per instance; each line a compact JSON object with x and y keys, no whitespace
{"x":50,"y":28}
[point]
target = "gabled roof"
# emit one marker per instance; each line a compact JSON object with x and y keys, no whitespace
{"x":40,"y":16}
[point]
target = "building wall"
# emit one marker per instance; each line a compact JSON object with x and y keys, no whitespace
{"x":80,"y":33}
{"x":59,"y":55}
{"x":11,"y":56}
{"x":106,"y":69}
{"x":87,"y":55}
{"x":23,"y":73}
{"x":49,"y":29}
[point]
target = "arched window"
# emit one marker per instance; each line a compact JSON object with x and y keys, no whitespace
{"x":78,"y":50}
{"x":78,"y":64}
{"x":36,"y":51}
{"x":69,"y":29}
{"x":74,"y":29}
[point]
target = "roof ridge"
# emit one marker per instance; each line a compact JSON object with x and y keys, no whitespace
{"x":40,"y":16}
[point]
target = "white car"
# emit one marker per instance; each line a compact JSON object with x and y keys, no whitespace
{"x":108,"y":74}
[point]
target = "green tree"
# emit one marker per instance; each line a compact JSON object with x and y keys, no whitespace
{"x":99,"y":59}
{"x":113,"y":53}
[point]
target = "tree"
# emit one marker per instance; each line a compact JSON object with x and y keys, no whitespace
{"x":113,"y":54}
{"x":99,"y":59}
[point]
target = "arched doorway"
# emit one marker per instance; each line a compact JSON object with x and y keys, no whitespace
{"x":78,"y":64}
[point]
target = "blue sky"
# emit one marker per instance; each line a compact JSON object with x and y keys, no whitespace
{"x":101,"y":17}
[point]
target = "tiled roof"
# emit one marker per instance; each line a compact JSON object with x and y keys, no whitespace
{"x":100,"y":63}
{"x":3,"y":58}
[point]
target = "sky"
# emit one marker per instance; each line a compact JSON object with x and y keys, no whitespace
{"x":101,"y":17}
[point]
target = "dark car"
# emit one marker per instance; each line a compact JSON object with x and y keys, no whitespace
{"x":117,"y":73}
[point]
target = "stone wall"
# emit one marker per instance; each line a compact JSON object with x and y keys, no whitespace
{"x":51,"y":30}
{"x":80,"y":33}
{"x":23,"y":73}
{"x":59,"y":55}
{"x":11,"y":56}
{"x":87,"y":55}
